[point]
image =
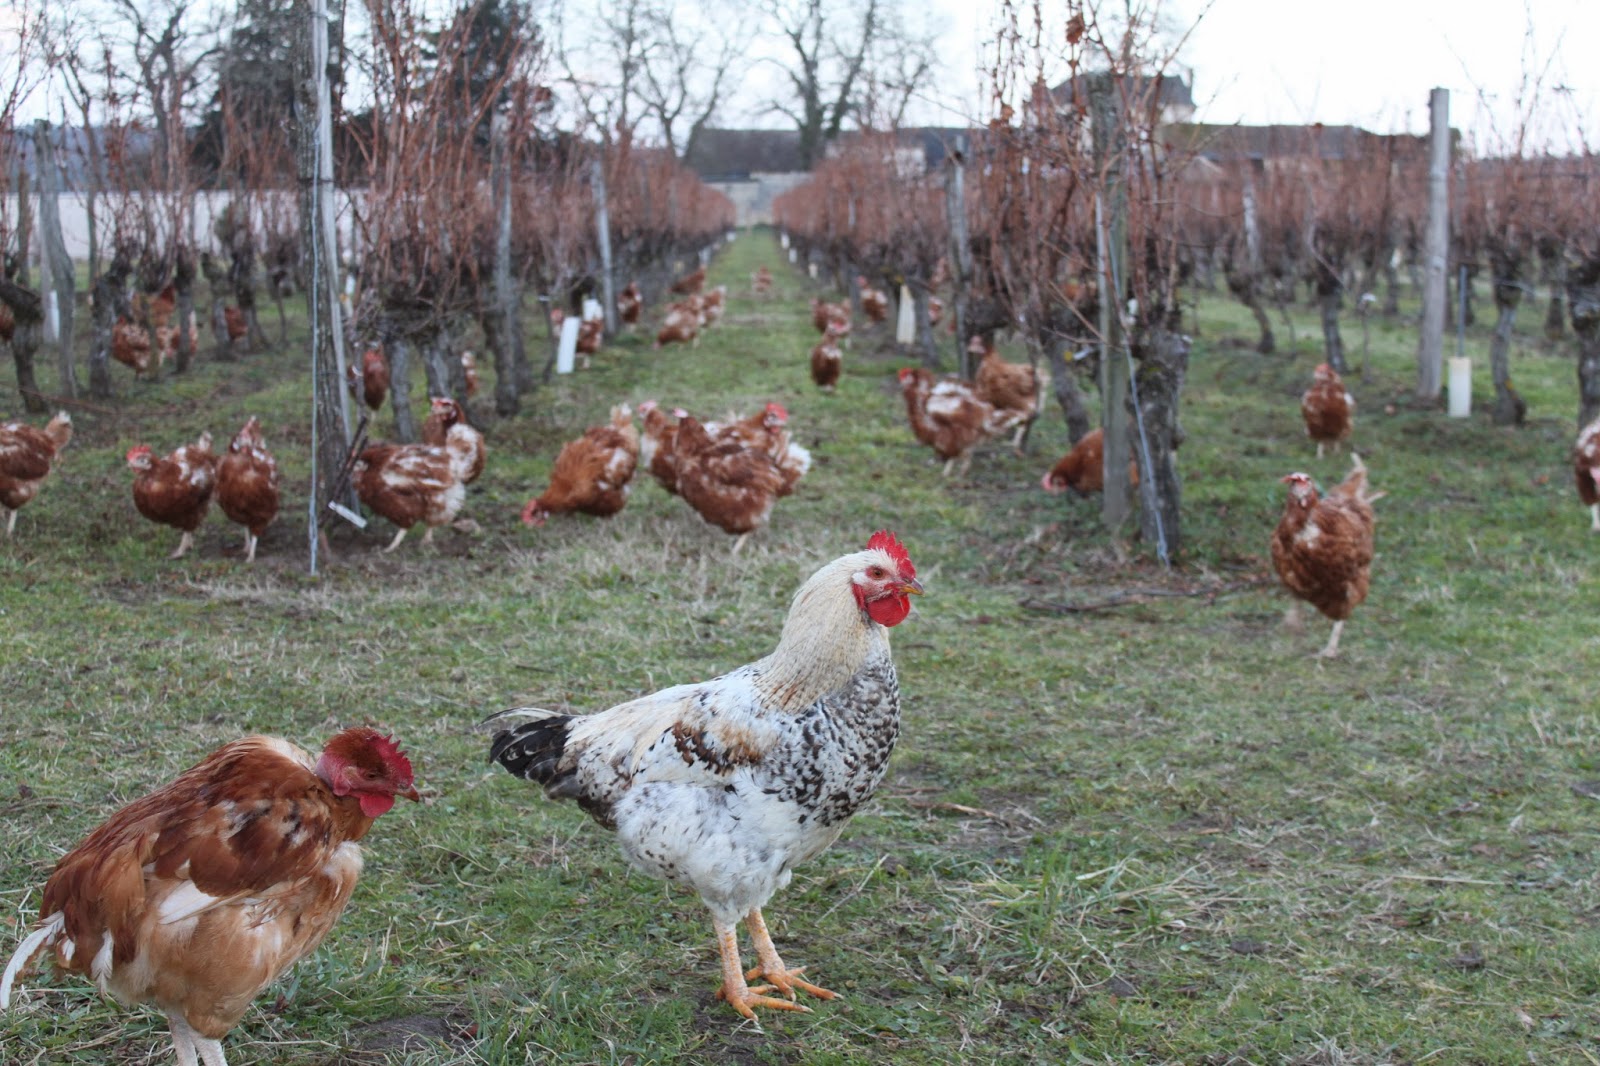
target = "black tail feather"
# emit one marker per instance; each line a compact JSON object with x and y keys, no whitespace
{"x":532,"y":751}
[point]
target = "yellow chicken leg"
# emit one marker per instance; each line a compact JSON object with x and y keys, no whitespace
{"x":772,"y":968}
{"x":740,"y":996}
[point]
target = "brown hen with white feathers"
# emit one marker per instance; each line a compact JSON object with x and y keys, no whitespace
{"x":729,"y":483}
{"x":593,"y":474}
{"x":1013,"y":388}
{"x":1323,"y":546}
{"x":247,"y":484}
{"x":194,"y":898}
{"x":27,"y":455}
{"x":446,"y":419}
{"x":412,"y":483}
{"x":948,"y":416}
{"x":1328,"y":408}
{"x":175,"y":490}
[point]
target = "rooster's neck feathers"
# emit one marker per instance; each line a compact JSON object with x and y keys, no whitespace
{"x":826,"y":639}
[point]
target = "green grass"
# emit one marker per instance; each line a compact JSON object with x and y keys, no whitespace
{"x":1155,"y":830}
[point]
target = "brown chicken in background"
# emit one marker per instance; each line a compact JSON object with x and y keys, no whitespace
{"x":1083,"y":469}
{"x":168,"y":339}
{"x":412,"y":483}
{"x":681,"y":326}
{"x":827,"y":361}
{"x":194,"y":898}
{"x":1586,"y":469}
{"x":874,"y":302}
{"x":729,"y":483}
{"x":690,"y":283}
{"x":247,"y":484}
{"x":830,"y":317}
{"x":630,"y":302}
{"x":469,"y":373}
{"x":713,"y":304}
{"x":948,"y":416}
{"x":369,"y":381}
{"x":130,"y":346}
{"x":8,"y":323}
{"x":234,"y":322}
{"x":27,"y":455}
{"x":1323,"y":547}
{"x":591,"y":333}
{"x":446,"y":418}
{"x":761,"y":282}
{"x":157,"y":309}
{"x":1009,"y":387}
{"x":176,"y":489}
{"x":593,"y":474}
{"x":1329,"y":410}
{"x":657,"y":443}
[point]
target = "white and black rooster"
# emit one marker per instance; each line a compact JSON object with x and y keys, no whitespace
{"x":727,"y":785}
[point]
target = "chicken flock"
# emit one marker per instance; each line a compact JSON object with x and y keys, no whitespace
{"x":196,"y":897}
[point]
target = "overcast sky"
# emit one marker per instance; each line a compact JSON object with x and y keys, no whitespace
{"x":1369,"y":63}
{"x":1364,"y":62}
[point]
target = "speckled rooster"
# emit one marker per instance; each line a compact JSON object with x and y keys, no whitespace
{"x":726,"y":786}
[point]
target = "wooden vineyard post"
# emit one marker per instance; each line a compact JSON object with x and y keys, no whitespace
{"x":1430,"y":349}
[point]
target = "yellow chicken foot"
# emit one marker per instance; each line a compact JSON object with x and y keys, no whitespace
{"x":740,"y":996}
{"x":772,"y":968}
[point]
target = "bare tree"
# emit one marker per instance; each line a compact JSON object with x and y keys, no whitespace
{"x":605,"y":71}
{"x":687,"y":68}
{"x":832,"y":66}
{"x":172,"y":54}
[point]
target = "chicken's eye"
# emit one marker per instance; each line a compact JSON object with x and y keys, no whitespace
{"x":876,"y":573}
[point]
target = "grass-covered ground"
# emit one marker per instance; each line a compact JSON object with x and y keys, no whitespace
{"x":1155,"y":830}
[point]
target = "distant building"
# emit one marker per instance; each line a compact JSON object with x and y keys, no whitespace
{"x":1172,"y":95}
{"x":754,"y":166}
{"x":750,"y":166}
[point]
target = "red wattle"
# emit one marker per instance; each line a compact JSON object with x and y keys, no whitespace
{"x":374,"y":803}
{"x":889,"y":610}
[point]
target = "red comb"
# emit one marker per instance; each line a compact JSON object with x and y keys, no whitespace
{"x":887,"y":541}
{"x":775,"y":408}
{"x":390,"y":751}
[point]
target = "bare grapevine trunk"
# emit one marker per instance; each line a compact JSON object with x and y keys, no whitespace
{"x":27,"y":312}
{"x":925,"y":339}
{"x":1064,"y":382}
{"x":110,"y":302}
{"x":217,"y":281}
{"x":1583,"y":301}
{"x":183,"y":313}
{"x":1162,"y":360}
{"x":1509,"y":407}
{"x":1555,"y":318}
{"x":397,"y":346}
{"x":1247,"y":290}
{"x":1330,"y":297}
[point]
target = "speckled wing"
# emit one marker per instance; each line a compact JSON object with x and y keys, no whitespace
{"x":696,"y":734}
